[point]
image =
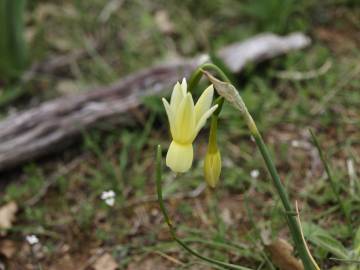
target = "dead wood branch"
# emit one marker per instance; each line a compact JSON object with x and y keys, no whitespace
{"x":44,"y":129}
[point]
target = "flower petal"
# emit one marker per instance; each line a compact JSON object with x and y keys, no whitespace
{"x":170,"y":115}
{"x":176,"y":97}
{"x":204,"y":103}
{"x":184,"y":86}
{"x":179,"y":157}
{"x":203,"y":119}
{"x":185,"y":121}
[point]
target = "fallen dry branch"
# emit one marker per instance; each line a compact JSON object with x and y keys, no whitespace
{"x":30,"y":134}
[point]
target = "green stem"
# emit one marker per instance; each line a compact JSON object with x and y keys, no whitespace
{"x":213,"y":134}
{"x":214,"y":126}
{"x":197,"y":74}
{"x":219,"y":101}
{"x":332,"y":182}
{"x":194,"y":80}
{"x":171,"y":227}
{"x":159,"y":167}
{"x":234,"y":98}
{"x":290,"y":214}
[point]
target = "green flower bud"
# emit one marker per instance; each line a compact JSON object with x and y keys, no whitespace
{"x":212,"y":163}
{"x":212,"y":168}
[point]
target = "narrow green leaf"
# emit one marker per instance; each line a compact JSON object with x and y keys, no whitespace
{"x":324,"y":240}
{"x":357,"y":243}
{"x":12,"y":44}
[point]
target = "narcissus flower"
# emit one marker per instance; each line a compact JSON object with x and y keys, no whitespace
{"x":186,"y":120}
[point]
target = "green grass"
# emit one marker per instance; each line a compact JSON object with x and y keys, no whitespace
{"x":121,"y":157}
{"x":13,"y":54}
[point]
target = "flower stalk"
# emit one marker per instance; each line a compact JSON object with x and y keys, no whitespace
{"x":199,"y":72}
{"x":163,"y":209}
{"x":212,"y":162}
{"x":229,"y":92}
{"x":195,"y":78}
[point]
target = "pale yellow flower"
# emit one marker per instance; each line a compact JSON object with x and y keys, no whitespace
{"x":185,"y":121}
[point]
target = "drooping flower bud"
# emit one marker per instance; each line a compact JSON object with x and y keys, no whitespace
{"x":212,"y":163}
{"x":212,"y":168}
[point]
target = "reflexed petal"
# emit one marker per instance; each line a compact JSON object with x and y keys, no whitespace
{"x":170,"y":116}
{"x":203,"y":119}
{"x":204,"y":103}
{"x":179,"y":157}
{"x":185,"y":121}
{"x":176,"y":97}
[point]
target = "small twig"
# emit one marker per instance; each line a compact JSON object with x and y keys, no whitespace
{"x":169,"y":258}
{"x":93,"y":258}
{"x":339,"y":86}
{"x":345,"y":260}
{"x":57,"y":62}
{"x":354,"y":183}
{"x":64,"y":170}
{"x":307,"y":75}
{"x":109,"y":9}
{"x":177,"y":196}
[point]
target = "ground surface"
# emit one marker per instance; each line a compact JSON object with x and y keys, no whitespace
{"x":76,"y":229}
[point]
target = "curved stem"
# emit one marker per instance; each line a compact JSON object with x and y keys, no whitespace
{"x":214,"y":67}
{"x":291,"y":219}
{"x":198,"y":73}
{"x":171,"y":227}
{"x":159,"y":187}
{"x":219,"y":101}
{"x":232,"y":95}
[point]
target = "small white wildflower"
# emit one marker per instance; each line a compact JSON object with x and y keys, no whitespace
{"x":32,"y":239}
{"x":107,"y":194}
{"x":254,"y":174}
{"x":295,"y":143}
{"x":110,"y":201}
{"x":108,"y":197}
